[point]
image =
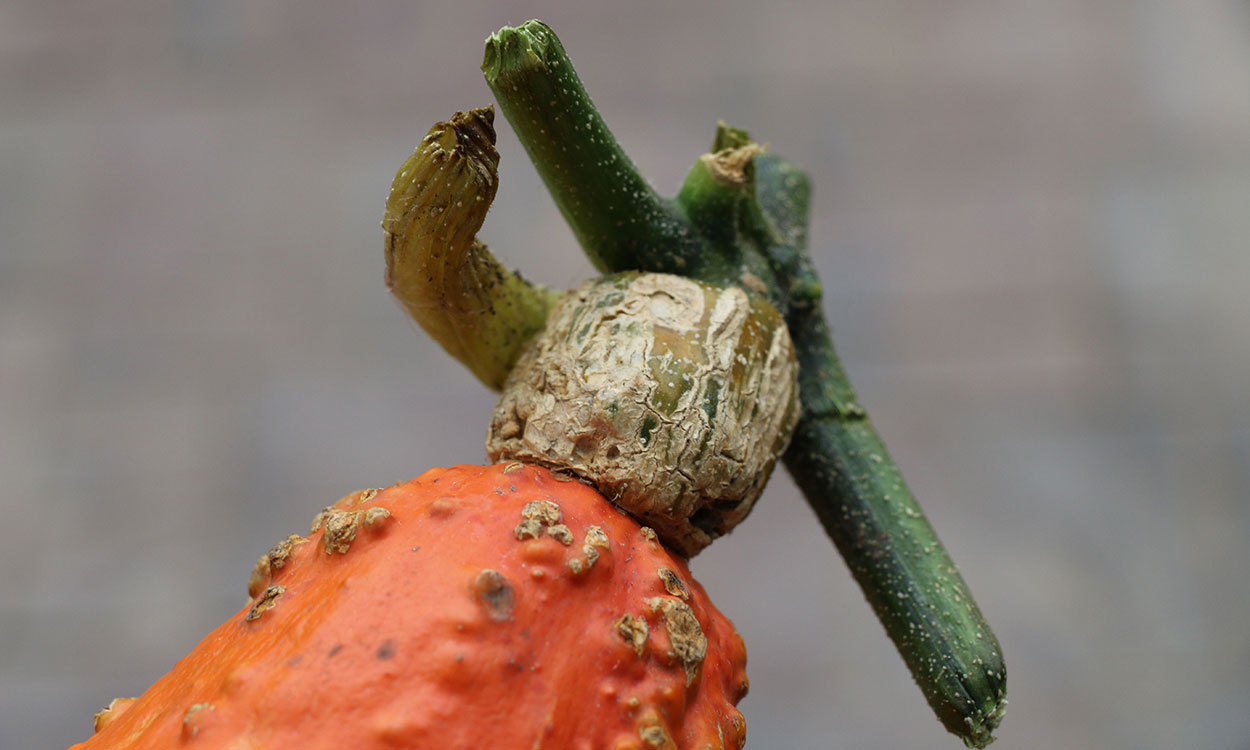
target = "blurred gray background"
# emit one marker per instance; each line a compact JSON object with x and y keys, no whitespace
{"x":1031,"y":217}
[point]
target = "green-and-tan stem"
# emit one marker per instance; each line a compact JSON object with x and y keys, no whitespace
{"x":478,"y":310}
{"x":715,"y":192}
{"x":753,"y":233}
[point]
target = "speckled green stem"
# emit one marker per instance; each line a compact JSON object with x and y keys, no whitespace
{"x":839,"y":462}
{"x":753,"y":232}
{"x":843,"y":469}
{"x":615,"y":214}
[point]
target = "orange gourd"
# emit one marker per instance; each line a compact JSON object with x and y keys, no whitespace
{"x":501,"y":606}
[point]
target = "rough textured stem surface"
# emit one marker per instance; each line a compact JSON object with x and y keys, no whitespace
{"x":478,"y":310}
{"x":754,"y":235}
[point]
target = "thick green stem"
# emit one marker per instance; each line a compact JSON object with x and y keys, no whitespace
{"x":855,"y":488}
{"x":751,"y":230}
{"x":616,"y":216}
{"x":843,"y":469}
{"x":714,"y":191}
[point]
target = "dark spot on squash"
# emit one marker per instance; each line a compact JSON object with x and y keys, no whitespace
{"x":496,"y":593}
{"x":386,"y":650}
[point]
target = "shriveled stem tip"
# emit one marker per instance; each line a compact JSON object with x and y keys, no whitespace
{"x":475,"y":308}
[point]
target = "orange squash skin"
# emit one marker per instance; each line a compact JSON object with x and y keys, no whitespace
{"x":465,"y":615}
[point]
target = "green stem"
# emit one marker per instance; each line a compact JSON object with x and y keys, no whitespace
{"x":842,"y":467}
{"x":614,"y":213}
{"x":752,"y":231}
{"x":715,"y":191}
{"x":784,"y":193}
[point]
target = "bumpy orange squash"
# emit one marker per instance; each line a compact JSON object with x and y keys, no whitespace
{"x":473,"y":607}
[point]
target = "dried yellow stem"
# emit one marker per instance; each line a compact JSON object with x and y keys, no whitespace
{"x":478,"y":310}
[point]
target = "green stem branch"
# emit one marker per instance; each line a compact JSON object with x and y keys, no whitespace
{"x":615,"y":214}
{"x":843,"y":469}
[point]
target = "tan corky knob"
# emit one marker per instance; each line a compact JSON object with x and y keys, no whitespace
{"x":674,"y":397}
